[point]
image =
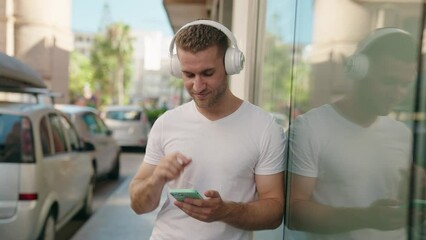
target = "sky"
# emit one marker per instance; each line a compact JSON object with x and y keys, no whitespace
{"x":281,"y":19}
{"x":150,"y":15}
{"x":146,"y":15}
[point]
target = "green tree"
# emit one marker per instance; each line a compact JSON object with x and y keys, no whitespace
{"x":281,"y":75}
{"x":276,"y":72}
{"x":300,"y":89}
{"x":112,"y":58}
{"x":81,"y":74}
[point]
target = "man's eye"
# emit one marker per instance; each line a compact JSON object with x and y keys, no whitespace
{"x":189,"y":75}
{"x":208,"y":74}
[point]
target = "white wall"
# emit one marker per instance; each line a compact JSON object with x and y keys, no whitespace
{"x":43,"y":39}
{"x":244,"y":22}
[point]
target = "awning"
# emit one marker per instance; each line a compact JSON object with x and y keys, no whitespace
{"x":14,"y":73}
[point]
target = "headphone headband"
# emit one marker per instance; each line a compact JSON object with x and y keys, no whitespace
{"x":234,"y":58}
{"x":358,"y":64}
{"x":211,"y":23}
{"x":377,"y":34}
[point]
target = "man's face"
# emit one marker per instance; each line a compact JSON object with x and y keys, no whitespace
{"x":204,"y":76}
{"x":386,"y":85}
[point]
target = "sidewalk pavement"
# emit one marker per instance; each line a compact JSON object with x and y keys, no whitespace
{"x":116,"y":220}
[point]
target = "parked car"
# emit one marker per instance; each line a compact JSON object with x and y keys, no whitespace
{"x":92,"y":129}
{"x":46,"y":170}
{"x":129,"y":124}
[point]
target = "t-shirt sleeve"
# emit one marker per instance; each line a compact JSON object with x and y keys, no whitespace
{"x":154,"y":148}
{"x":272,"y":150}
{"x":303,"y":148}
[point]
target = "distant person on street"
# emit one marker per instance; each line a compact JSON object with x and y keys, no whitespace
{"x":228,"y":149}
{"x":349,"y":161}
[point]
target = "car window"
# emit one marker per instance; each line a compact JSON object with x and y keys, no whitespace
{"x":16,"y":139}
{"x":59,"y":141}
{"x":45,"y":137}
{"x":92,"y":124}
{"x":102,"y":125}
{"x":72,"y":134}
{"x":130,"y":115}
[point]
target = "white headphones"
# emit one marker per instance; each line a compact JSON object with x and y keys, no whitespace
{"x":358,"y":64}
{"x":234,"y":58}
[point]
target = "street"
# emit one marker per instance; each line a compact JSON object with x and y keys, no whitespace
{"x":129,"y":160}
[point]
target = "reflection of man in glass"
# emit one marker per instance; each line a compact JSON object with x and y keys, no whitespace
{"x":348,"y":159}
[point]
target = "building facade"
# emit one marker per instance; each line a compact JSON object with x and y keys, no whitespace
{"x":39,"y":34}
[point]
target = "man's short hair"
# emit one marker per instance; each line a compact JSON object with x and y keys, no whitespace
{"x":199,"y":37}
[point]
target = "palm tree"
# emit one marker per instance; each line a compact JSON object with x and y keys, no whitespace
{"x":111,"y":58}
{"x":121,"y":47}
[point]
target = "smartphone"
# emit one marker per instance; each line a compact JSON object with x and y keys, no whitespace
{"x":181,"y":194}
{"x":419,"y":203}
{"x":416,"y":203}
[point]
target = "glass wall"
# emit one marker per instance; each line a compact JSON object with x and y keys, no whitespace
{"x":344,"y":78}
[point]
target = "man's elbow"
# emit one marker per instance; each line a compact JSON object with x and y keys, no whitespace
{"x":141,"y":205}
{"x":277,"y":220}
{"x":277,"y":223}
{"x":292,"y":224}
{"x":140,"y":208}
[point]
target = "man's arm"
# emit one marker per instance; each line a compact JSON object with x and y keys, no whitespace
{"x":264,"y":213}
{"x":148,"y":183}
{"x":308,"y":215}
{"x":145,"y":193}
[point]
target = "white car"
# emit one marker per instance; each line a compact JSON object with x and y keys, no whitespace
{"x":129,"y":124}
{"x":46,"y":170}
{"x":92,"y":129}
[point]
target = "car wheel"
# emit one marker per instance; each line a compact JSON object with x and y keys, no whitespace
{"x":87,"y":209}
{"x":48,"y":232}
{"x":115,"y":171}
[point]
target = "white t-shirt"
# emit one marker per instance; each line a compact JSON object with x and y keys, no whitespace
{"x":354,"y":166}
{"x":226,"y":155}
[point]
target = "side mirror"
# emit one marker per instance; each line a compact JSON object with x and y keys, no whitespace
{"x":88,"y":146}
{"x":108,"y":132}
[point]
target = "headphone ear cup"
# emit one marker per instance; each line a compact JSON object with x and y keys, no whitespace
{"x":234,"y":61}
{"x":175,"y":69}
{"x":357,"y":66}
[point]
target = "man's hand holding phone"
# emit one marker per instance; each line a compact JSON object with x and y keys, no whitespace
{"x":209,"y":209}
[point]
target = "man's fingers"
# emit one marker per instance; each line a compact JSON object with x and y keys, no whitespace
{"x":182,"y":159}
{"x":212,"y":194}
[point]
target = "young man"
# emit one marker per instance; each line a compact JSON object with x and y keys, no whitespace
{"x":349,"y":160}
{"x":228,"y":149}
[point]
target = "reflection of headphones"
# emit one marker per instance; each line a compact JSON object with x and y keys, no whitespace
{"x":358,"y":64}
{"x":234,"y":58}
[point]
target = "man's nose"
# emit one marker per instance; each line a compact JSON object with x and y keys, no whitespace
{"x":198,"y":84}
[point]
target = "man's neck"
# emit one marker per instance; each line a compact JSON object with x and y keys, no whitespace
{"x":352,"y":110}
{"x":225,"y":107}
